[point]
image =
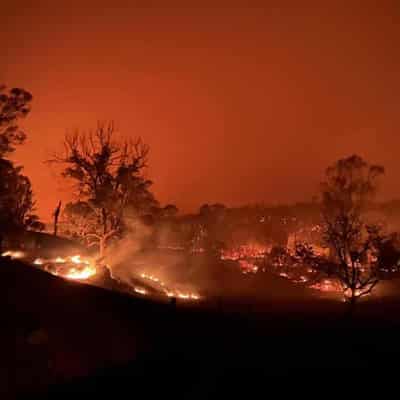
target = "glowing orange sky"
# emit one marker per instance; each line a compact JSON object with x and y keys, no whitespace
{"x":239,"y":104}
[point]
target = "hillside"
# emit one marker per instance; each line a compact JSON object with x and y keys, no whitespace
{"x":71,"y":337}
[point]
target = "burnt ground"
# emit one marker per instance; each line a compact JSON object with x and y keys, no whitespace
{"x":62,"y":338}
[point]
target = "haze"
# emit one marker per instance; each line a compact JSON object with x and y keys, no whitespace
{"x":239,"y":104}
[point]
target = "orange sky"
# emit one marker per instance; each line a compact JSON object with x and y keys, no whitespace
{"x":238,"y":103}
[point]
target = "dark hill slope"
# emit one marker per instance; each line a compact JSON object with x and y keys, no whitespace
{"x":72,"y":338}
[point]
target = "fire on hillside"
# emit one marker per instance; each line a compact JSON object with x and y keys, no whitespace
{"x":186,"y":295}
{"x":72,"y":267}
{"x":80,"y":268}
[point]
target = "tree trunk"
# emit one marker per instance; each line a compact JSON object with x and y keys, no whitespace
{"x":351,"y":306}
{"x":102,"y":247}
{"x":56,"y":215}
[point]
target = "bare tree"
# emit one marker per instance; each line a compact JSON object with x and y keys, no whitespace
{"x":108,"y":182}
{"x":350,"y":186}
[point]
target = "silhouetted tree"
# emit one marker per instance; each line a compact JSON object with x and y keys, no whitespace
{"x":14,"y":105}
{"x":347,"y":192}
{"x":109,"y":183}
{"x":16,"y":197}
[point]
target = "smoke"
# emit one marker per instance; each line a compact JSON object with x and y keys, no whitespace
{"x":148,"y":256}
{"x":122,"y":255}
{"x":137,"y":254}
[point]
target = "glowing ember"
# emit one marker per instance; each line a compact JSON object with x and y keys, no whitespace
{"x":347,"y":292}
{"x":152,"y":278}
{"x":169,"y":292}
{"x":327,"y":286}
{"x":197,"y":250}
{"x":81,"y":274}
{"x":13,"y":254}
{"x":72,"y":267}
{"x":77,"y":260}
{"x":185,"y":296}
{"x":246,"y":267}
{"x":140,"y":290}
{"x":242,"y":252}
{"x":176,"y":248}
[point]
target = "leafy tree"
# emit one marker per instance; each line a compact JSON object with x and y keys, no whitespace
{"x":350,"y":186}
{"x":14,"y":105}
{"x":108,"y":183}
{"x":16,"y":197}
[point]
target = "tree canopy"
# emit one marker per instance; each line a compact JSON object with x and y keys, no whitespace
{"x":347,"y":193}
{"x":109,"y":183}
{"x":14,"y":105}
{"x":16,"y":196}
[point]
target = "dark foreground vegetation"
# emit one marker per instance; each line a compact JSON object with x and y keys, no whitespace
{"x":74,"y":339}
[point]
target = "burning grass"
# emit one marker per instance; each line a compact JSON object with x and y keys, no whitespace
{"x":79,"y":268}
{"x":13,"y":254}
{"x":72,"y":267}
{"x":249,"y":251}
{"x":169,"y":292}
{"x":251,"y":259}
{"x":255,"y":259}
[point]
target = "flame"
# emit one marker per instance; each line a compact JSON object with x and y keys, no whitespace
{"x":82,"y":269}
{"x":246,"y":266}
{"x":243,"y":252}
{"x":140,"y":290}
{"x":347,"y":292}
{"x":77,"y":260}
{"x":86,"y":272}
{"x":152,"y":278}
{"x":185,"y":296}
{"x":327,"y":286}
{"x":168,"y":291}
{"x":13,"y":254}
{"x":81,"y":274}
